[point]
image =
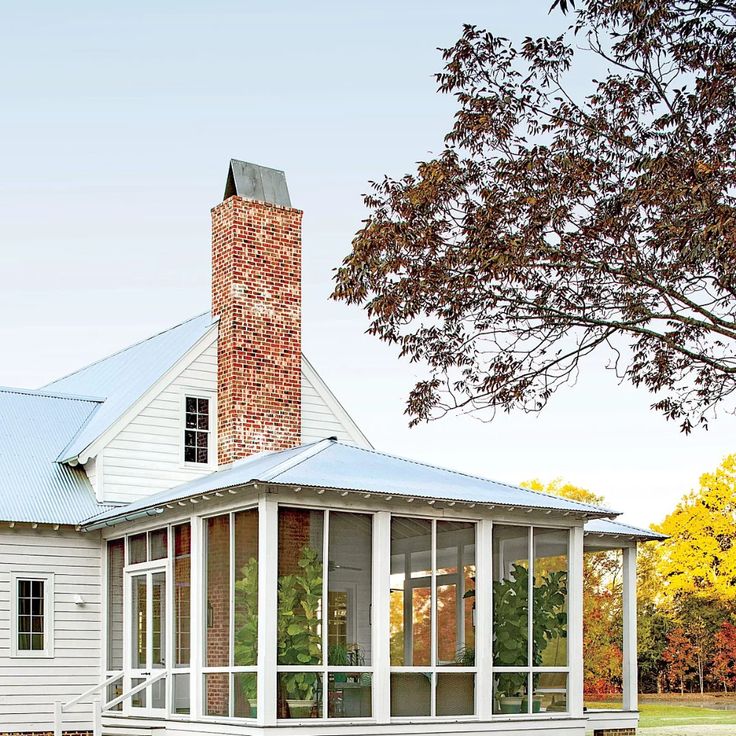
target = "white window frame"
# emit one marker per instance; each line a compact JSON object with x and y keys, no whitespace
{"x":530,"y":670}
{"x":48,"y":615}
{"x":231,"y":669}
{"x":325,"y":669}
{"x":211,"y":432}
{"x":434,"y":668}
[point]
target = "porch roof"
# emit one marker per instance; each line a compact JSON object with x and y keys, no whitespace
{"x":608,"y":528}
{"x":333,"y":465}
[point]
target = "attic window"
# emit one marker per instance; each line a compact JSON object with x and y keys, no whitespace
{"x":196,"y":430}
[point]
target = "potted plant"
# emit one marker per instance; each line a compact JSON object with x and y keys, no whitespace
{"x":341,"y":655}
{"x":511,"y":630}
{"x":246,"y":629}
{"x":299,"y":635}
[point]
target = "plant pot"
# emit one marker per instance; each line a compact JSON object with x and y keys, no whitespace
{"x":510,"y":704}
{"x":300,"y":708}
{"x":536,"y":705}
{"x":341,"y":677}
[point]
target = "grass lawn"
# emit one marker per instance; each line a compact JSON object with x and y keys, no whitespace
{"x":654,"y":715}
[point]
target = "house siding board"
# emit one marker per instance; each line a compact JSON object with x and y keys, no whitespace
{"x":145,"y":456}
{"x":31,"y":686}
{"x":318,"y":419}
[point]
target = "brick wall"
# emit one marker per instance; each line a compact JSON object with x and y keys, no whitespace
{"x":256,"y":292}
{"x":218,"y":613}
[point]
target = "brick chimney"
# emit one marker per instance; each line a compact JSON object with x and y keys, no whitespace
{"x":256,"y":293}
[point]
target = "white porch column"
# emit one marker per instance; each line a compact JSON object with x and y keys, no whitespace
{"x":575,"y":623}
{"x":197,"y":623}
{"x":268,"y":571}
{"x":630,"y":675}
{"x":381,"y":617}
{"x":484,"y":620}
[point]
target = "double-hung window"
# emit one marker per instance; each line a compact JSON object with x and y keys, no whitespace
{"x":32,"y":614}
{"x":198,"y":424}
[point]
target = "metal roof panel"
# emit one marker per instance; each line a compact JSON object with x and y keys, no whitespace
{"x":124,"y":377}
{"x":334,"y":465}
{"x":35,"y":488}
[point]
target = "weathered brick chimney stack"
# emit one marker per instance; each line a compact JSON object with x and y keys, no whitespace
{"x":256,"y":293}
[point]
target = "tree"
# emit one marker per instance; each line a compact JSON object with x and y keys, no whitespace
{"x":555,"y":225}
{"x":679,"y":656}
{"x":602,"y":598}
{"x":724,"y":661}
{"x":699,"y":558}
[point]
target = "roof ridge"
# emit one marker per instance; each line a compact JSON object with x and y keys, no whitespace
{"x":590,"y":506}
{"x":50,"y":394}
{"x":125,"y":349}
{"x":307,"y":451}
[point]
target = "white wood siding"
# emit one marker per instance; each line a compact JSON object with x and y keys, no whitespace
{"x":318,"y":419}
{"x":29,"y":687}
{"x":145,"y":456}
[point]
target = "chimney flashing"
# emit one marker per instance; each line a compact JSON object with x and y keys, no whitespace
{"x":259,"y":183}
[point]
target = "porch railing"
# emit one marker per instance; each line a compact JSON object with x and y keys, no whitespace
{"x":60,"y":708}
{"x":97,"y":706}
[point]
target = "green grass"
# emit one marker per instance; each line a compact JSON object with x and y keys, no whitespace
{"x":653,"y":715}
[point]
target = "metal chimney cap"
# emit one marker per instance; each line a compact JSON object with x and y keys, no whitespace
{"x":252,"y":181}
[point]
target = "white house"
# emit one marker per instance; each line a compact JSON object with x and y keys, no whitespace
{"x":196,"y":538}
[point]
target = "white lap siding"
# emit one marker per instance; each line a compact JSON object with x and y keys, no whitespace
{"x":29,"y":686}
{"x":146,"y":455}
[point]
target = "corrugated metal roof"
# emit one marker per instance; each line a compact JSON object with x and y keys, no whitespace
{"x":34,"y":428}
{"x":607,"y":528}
{"x":334,"y":465}
{"x":121,"y":379}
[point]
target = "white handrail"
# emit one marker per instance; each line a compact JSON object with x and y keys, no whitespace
{"x":141,"y":686}
{"x":100,"y":686}
{"x":60,"y":707}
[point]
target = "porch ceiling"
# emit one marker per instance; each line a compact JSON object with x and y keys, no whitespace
{"x":330,"y":464}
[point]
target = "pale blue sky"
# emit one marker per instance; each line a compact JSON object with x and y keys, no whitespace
{"x":117,"y":123}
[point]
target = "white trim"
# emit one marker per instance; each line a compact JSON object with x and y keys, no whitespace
{"x":208,"y":339}
{"x":575,"y":623}
{"x":211,"y":396}
{"x":198,"y":620}
{"x":484,"y":619}
{"x":310,"y":373}
{"x":268,"y":570}
{"x":381,"y":617}
{"x":48,"y":615}
{"x":630,"y":674}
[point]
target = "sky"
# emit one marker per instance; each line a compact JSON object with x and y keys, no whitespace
{"x":117,"y":122}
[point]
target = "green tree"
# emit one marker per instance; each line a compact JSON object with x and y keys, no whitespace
{"x":556,"y":224}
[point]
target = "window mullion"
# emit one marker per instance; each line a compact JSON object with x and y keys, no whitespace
{"x":530,"y":624}
{"x":231,"y":614}
{"x":325,"y":589}
{"x":433,"y":621}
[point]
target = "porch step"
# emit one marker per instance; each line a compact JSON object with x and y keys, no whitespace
{"x":121,"y":726}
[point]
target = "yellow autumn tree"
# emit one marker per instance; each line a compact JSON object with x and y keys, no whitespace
{"x":558,"y":487}
{"x":699,"y":558}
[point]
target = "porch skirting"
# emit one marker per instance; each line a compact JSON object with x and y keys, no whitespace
{"x":532,"y":727}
